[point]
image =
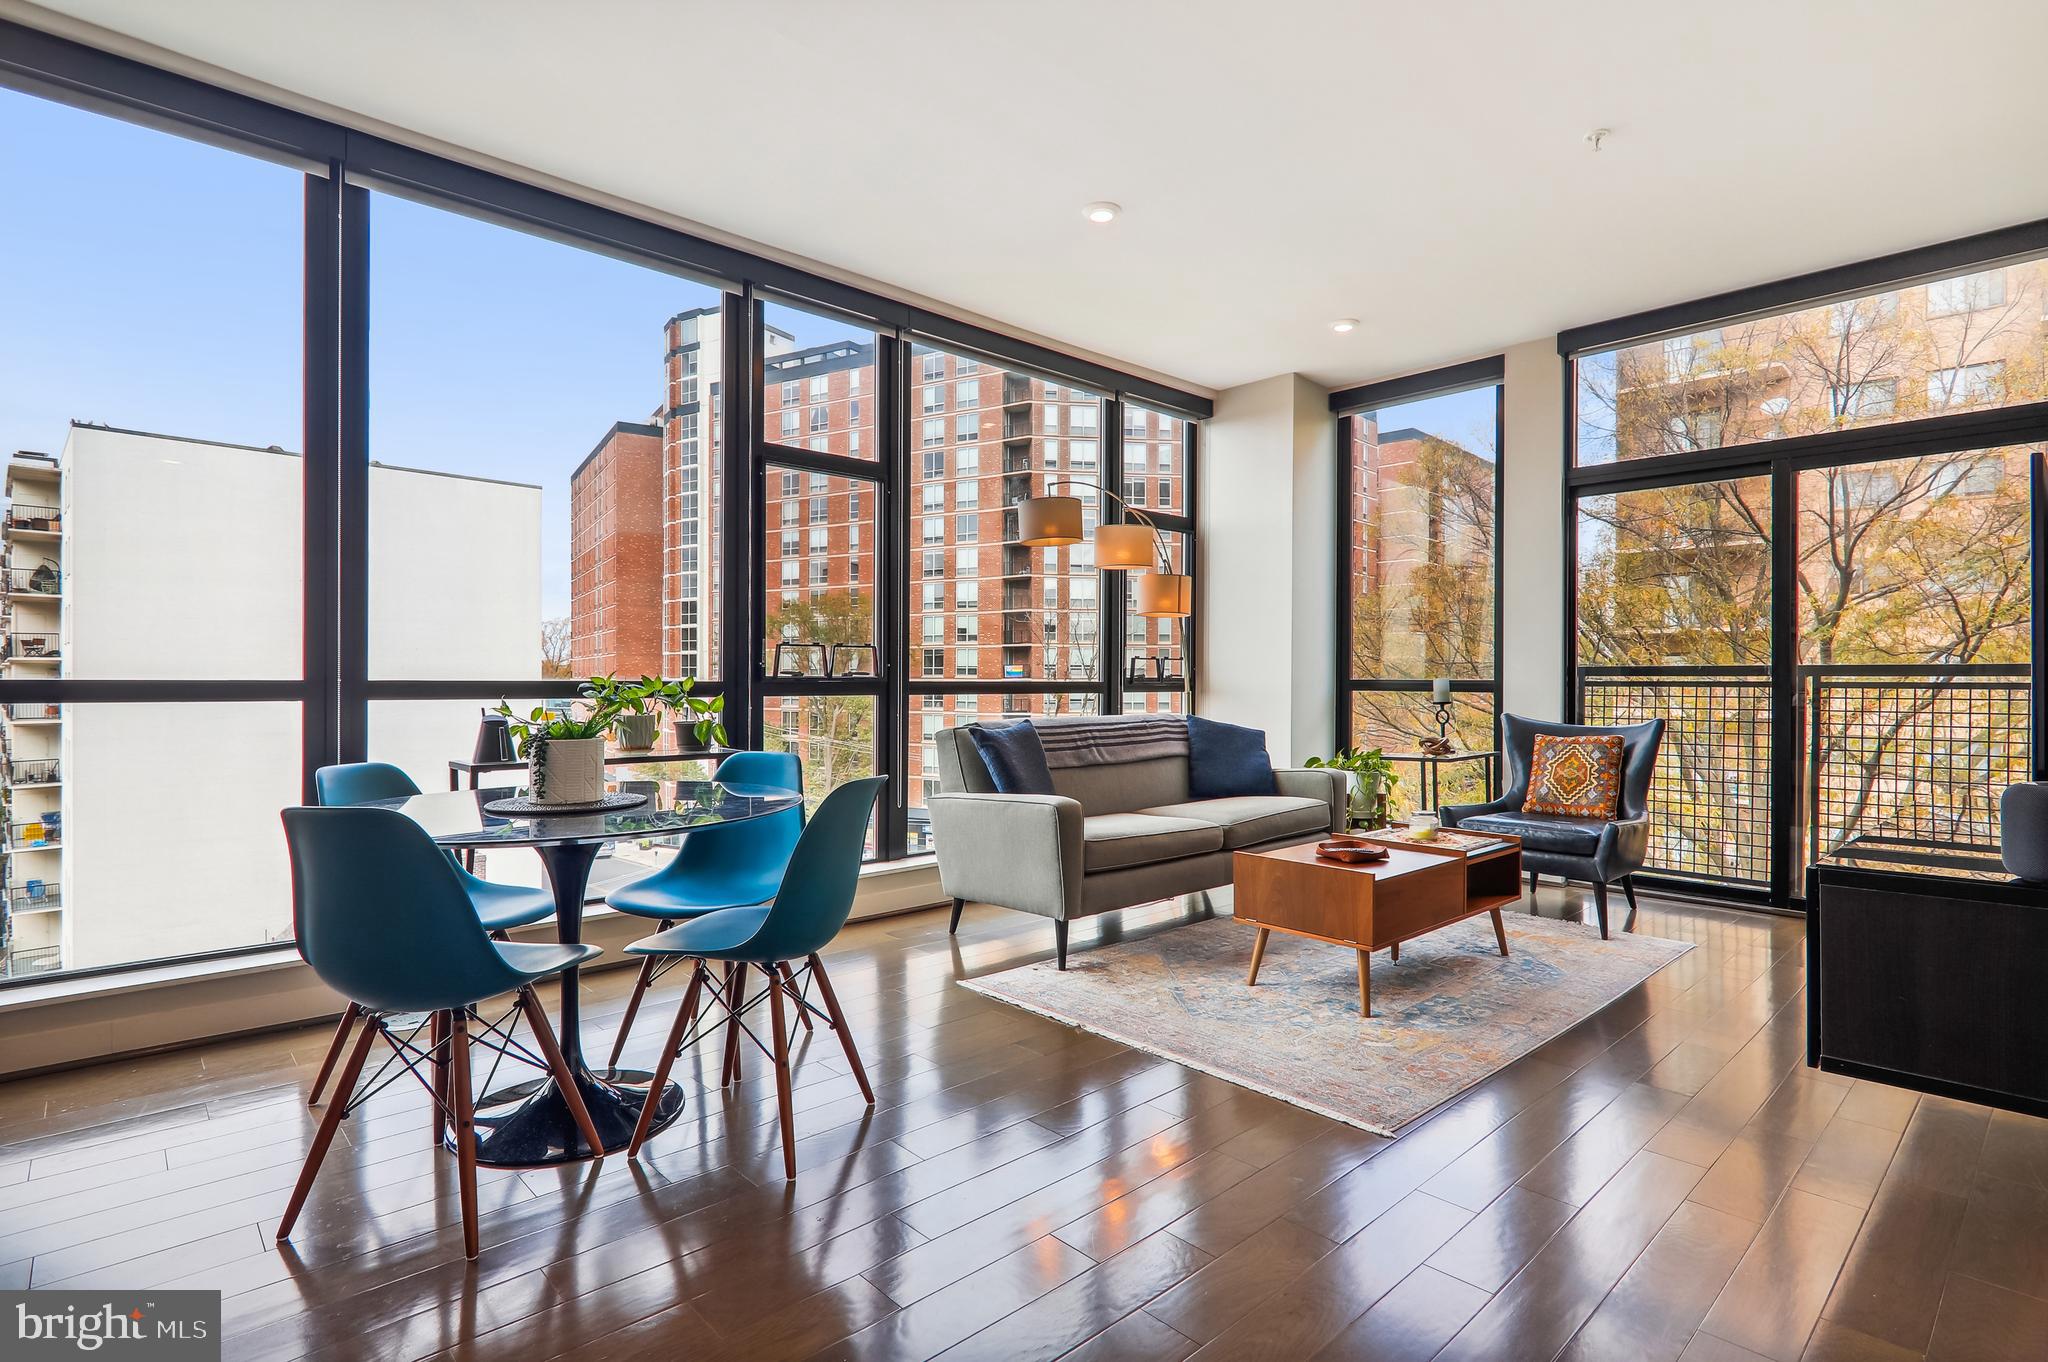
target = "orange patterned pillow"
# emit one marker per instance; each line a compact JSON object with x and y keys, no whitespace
{"x":1579,"y":776}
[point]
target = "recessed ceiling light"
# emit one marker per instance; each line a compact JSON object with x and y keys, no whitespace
{"x":1344,"y":324}
{"x":1101,"y":211}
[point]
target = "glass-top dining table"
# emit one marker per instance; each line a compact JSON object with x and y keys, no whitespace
{"x":529,"y":1125}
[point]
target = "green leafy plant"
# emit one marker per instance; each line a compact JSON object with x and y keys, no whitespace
{"x":1374,"y":779}
{"x":548,"y":723}
{"x":607,"y":697}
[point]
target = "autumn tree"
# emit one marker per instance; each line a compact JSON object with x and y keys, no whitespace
{"x":834,"y":734}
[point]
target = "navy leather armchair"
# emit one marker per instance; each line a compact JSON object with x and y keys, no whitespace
{"x":1599,"y":851}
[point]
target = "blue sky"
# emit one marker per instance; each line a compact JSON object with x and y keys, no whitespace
{"x":156,"y":283}
{"x":1465,"y":418}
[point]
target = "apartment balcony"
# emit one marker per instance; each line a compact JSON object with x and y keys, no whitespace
{"x":32,"y":647}
{"x":29,"y":522}
{"x":42,"y":771}
{"x":35,"y":898}
{"x":1016,"y":389}
{"x":30,"y":838}
{"x":1907,"y":753}
{"x":41,"y":960}
{"x":43,"y":581}
{"x":35,"y":712}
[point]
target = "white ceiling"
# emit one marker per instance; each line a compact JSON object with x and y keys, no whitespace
{"x":1417,"y":165}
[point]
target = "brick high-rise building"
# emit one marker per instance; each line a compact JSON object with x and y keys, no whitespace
{"x":615,"y":554}
{"x":981,"y":607}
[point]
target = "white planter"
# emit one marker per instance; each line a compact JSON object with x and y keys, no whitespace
{"x":637,"y":732}
{"x":1365,"y":797}
{"x":565,"y":770}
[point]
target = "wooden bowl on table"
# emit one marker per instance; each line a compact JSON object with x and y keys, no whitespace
{"x":1350,"y":850}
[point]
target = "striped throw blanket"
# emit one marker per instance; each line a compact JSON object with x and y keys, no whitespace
{"x":1109,"y":742}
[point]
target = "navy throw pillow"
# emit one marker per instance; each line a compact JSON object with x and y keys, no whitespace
{"x":1014,"y":756}
{"x":1225,"y":760}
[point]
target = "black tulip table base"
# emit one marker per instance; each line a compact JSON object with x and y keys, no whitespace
{"x":529,"y":1126}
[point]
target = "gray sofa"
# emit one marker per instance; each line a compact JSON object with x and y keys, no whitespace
{"x":1114,"y":835}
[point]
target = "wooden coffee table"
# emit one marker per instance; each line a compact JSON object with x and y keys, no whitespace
{"x":1378,"y":905}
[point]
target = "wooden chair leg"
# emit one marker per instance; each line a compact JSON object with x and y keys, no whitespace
{"x":684,"y":1017}
{"x":796,"y":997}
{"x":551,"y":1051}
{"x":735,"y":996}
{"x":465,"y":1123}
{"x":1628,"y":887}
{"x":959,"y":906}
{"x":831,"y":1001}
{"x":1258,"y":954}
{"x":632,"y":1009}
{"x":1600,"y":906}
{"x":783,"y":1108}
{"x":330,"y":1122}
{"x":334,"y":1049}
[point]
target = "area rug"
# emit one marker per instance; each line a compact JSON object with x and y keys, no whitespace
{"x":1451,"y":1012}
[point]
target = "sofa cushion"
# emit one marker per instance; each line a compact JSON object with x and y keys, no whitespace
{"x":1541,"y":831}
{"x":1114,"y":840}
{"x":1123,"y":787}
{"x":1227,"y":760}
{"x":1250,"y":819}
{"x":1014,"y":756}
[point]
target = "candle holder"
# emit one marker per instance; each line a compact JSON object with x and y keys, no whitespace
{"x":1441,"y":745}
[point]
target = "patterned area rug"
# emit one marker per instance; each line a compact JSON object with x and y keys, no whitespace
{"x":1451,"y":1012}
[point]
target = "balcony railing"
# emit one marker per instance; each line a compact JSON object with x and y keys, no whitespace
{"x":43,"y":771}
{"x":35,"y":711}
{"x":33,"y":647}
{"x":32,"y":899}
{"x":31,"y":581}
{"x":25,"y":517}
{"x":41,"y":960}
{"x":1917,"y":752}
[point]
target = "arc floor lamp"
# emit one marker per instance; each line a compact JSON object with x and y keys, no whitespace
{"x":1050,"y":521}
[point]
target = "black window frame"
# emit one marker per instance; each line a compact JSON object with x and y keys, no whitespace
{"x":1782,"y":460}
{"x":1346,"y":404}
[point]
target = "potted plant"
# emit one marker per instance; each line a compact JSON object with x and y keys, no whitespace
{"x":564,"y":752}
{"x":638,"y":705}
{"x":1373,"y":779}
{"x":700,"y":719}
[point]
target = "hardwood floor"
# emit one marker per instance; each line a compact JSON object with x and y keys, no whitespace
{"x":1664,"y":1181}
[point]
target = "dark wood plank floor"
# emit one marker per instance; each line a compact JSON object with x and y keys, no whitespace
{"x":1665,"y":1181}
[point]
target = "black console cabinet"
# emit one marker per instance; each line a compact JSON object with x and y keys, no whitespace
{"x":1933,"y":978}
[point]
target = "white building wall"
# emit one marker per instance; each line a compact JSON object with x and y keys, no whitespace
{"x":183,"y":560}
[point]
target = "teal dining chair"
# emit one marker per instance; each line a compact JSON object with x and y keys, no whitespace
{"x":500,"y":907}
{"x":729,"y":865}
{"x":809,"y":908}
{"x":382,"y":917}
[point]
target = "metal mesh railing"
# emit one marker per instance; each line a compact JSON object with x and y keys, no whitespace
{"x":1711,"y":794}
{"x":1918,"y":753}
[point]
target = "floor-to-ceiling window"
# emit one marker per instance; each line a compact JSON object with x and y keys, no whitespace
{"x":152,"y":590}
{"x":1802,"y":536}
{"x":1419,"y":487}
{"x":318,"y":446}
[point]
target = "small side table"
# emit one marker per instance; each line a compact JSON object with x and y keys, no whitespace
{"x":1429,"y":766}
